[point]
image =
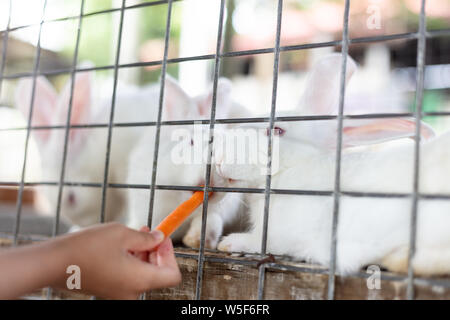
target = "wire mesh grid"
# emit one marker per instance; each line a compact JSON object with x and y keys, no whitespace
{"x":421,"y":36}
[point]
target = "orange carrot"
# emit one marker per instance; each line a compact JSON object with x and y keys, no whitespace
{"x":177,"y":216}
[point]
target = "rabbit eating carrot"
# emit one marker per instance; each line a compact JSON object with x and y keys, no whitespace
{"x":370,"y":230}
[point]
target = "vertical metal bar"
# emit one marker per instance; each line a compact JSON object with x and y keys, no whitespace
{"x":160,"y":110}
{"x":201,"y":255}
{"x":421,"y":48}
{"x":5,"y":47}
{"x":66,"y":133}
{"x":276,"y":63}
{"x":67,"y":128}
{"x":27,"y":138}
{"x":158,"y":121}
{"x":337,"y":181}
{"x":111,"y":115}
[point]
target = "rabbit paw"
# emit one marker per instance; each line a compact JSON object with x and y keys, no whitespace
{"x":239,"y":242}
{"x":213,"y":232}
{"x":397,"y":261}
{"x":193,"y":240}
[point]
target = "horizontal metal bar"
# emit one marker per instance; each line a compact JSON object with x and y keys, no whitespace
{"x":313,"y":269}
{"x":316,"y":269}
{"x":431,"y":33}
{"x":88,"y":14}
{"x":232,"y":121}
{"x":388,"y":37}
{"x":406,"y":36}
{"x":324,"y":193}
{"x":437,"y":33}
{"x":277,"y":266}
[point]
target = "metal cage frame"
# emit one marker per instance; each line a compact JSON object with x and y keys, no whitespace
{"x":421,"y":36}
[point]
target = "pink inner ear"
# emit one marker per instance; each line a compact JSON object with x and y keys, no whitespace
{"x":397,"y":125}
{"x":43,"y":105}
{"x":45,"y":102}
{"x":81,"y":102}
{"x":385,"y":129}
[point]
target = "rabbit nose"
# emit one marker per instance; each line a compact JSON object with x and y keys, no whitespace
{"x":221,"y":172}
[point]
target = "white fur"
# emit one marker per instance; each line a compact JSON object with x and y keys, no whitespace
{"x":87,"y":147}
{"x":222,"y":208}
{"x":370,"y":230}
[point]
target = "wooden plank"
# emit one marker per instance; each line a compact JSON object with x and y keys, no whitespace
{"x":237,"y":281}
{"x":9,"y":195}
{"x":229,"y":280}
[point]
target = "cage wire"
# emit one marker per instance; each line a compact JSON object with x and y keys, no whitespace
{"x":421,"y":36}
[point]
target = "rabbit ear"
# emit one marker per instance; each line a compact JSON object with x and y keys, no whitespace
{"x":45,"y":98}
{"x":375,"y":131}
{"x":81,"y":105}
{"x":223,"y":100}
{"x":177,"y":104}
{"x":321,"y":95}
{"x":81,"y":100}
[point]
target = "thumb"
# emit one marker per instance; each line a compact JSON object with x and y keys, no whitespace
{"x":143,"y":241}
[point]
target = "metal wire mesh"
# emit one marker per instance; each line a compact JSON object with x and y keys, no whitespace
{"x":421,"y":36}
{"x":337,"y":179}
{"x":201,"y":255}
{"x":419,"y":100}
{"x":66,"y":134}
{"x":30,"y":117}
{"x":276,"y":65}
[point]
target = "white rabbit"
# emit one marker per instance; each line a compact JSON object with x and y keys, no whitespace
{"x":370,"y":230}
{"x":87,"y":147}
{"x":223,"y":208}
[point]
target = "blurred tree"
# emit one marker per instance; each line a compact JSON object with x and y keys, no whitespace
{"x":99,"y":33}
{"x":153,"y":26}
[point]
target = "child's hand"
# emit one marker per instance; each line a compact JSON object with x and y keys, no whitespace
{"x":119,"y":262}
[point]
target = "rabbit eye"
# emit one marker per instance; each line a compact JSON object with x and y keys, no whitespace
{"x":192,"y":142}
{"x":71,"y":199}
{"x":277,"y":131}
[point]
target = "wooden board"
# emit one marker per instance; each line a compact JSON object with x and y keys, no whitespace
{"x":236,"y":281}
{"x":239,"y":280}
{"x":10,"y":195}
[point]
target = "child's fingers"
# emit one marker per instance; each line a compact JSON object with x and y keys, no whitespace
{"x":153,"y":258}
{"x":142,"y":255}
{"x":157,"y":277}
{"x":167,"y":277}
{"x":162,"y":269}
{"x":143,"y":241}
{"x":165,"y":254}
